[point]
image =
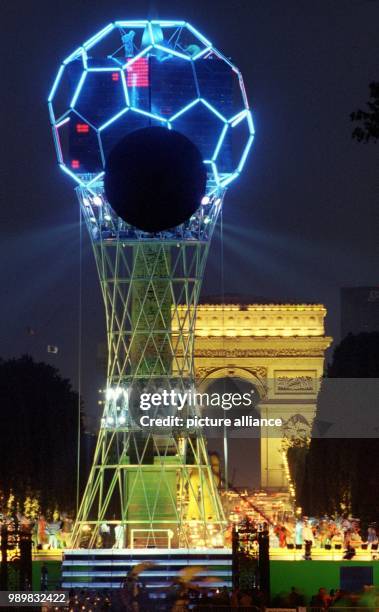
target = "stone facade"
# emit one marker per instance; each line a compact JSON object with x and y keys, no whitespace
{"x":278,"y":348}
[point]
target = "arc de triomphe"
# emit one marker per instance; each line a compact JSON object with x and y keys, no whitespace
{"x":279,"y":349}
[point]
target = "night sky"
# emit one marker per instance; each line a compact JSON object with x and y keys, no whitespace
{"x":301,"y":222}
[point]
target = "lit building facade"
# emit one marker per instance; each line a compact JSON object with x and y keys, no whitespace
{"x":280,"y":350}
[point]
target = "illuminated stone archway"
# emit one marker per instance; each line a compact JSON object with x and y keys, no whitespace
{"x":280,"y":349}
{"x":231,"y":443}
{"x":254,"y":376}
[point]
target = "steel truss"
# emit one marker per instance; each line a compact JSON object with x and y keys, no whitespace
{"x":155,"y":486}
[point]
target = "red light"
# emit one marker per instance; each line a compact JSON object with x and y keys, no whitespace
{"x":115,"y":76}
{"x":75,"y":163}
{"x":82,"y":128}
{"x":138,"y":73}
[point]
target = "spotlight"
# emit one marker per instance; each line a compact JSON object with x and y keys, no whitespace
{"x":109,"y":394}
{"x":97,"y":200}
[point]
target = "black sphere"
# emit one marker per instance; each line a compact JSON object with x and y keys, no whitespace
{"x":155,"y":178}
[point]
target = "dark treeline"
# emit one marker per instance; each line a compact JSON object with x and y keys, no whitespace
{"x":368,"y":119}
{"x":38,"y":433}
{"x":341,"y":475}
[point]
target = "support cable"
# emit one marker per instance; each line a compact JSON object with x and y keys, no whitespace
{"x":80,"y":299}
{"x":226,"y":459}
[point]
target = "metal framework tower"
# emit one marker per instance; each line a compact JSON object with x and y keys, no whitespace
{"x":154,"y":485}
{"x":158,"y":484}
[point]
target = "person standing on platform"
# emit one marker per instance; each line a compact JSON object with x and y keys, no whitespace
{"x":53,"y":529}
{"x":299,"y":533}
{"x":119,"y":536}
{"x":105,"y":532}
{"x":41,"y":532}
{"x":308,"y":538}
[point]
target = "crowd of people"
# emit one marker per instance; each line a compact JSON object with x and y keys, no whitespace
{"x":138,"y":600}
{"x":48,"y":532}
{"x":53,"y":531}
{"x":174,"y":600}
{"x":323,"y":533}
{"x":324,"y":599}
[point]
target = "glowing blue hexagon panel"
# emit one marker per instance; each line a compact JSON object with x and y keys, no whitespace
{"x":134,"y":74}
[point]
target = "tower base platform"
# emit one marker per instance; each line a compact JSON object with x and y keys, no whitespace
{"x":108,"y":568}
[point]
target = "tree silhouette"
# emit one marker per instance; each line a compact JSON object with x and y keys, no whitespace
{"x":368,"y":130}
{"x":343,"y":474}
{"x":38,"y":432}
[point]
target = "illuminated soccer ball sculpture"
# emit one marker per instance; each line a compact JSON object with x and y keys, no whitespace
{"x":152,"y":123}
{"x":140,"y":74}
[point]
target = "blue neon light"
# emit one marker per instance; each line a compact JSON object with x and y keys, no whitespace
{"x":51,"y":113}
{"x":220,"y":141}
{"x":238,"y":118}
{"x":147,"y":114}
{"x":151,"y":34}
{"x":138,"y":56}
{"x":104,"y":69}
{"x":185,"y":109}
{"x":57,"y":146}
{"x":73,"y":56}
{"x":215,"y":173}
{"x":62,"y":122}
{"x":213,"y":110}
{"x":103,"y":159}
{"x":222,"y":57}
{"x":170,"y":51}
{"x":197,"y":34}
{"x":56,"y":83}
{"x":124,"y":86}
{"x":110,"y":121}
{"x":84,"y":119}
{"x":201,"y":53}
{"x":78,"y":89}
{"x":250,"y":123}
{"x":169,"y":42}
{"x":85,"y":59}
{"x":228,"y":180}
{"x":98,"y":37}
{"x":245,"y":153}
{"x":132,"y":24}
{"x":242,"y":88}
{"x":97,"y":178}
{"x":168,"y":24}
{"x":76,"y":178}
